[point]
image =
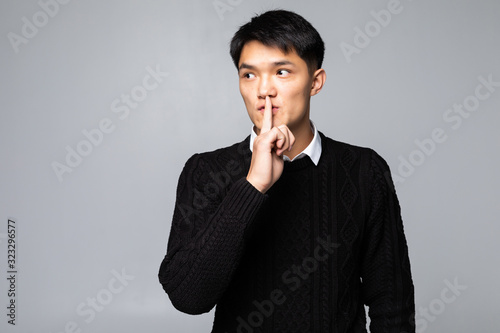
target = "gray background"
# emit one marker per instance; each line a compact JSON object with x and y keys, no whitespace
{"x":113,"y":211}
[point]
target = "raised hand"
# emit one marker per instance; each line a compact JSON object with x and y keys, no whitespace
{"x":268,"y":147}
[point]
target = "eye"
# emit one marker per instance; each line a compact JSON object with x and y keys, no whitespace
{"x":248,"y":75}
{"x":283,"y":72}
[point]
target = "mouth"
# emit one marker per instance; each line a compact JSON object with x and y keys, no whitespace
{"x":274,"y":108}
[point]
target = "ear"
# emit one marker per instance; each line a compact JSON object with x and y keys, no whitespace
{"x":318,"y":80}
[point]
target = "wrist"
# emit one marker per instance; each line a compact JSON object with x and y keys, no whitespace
{"x":260,"y":188}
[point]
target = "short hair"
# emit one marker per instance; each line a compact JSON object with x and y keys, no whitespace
{"x":285,"y":30}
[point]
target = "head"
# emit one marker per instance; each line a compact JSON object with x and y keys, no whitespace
{"x":284,"y":30}
{"x":279,"y":54}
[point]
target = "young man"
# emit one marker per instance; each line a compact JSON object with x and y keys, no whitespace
{"x":288,"y":230}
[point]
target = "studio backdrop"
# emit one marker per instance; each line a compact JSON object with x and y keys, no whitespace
{"x":102,"y":103}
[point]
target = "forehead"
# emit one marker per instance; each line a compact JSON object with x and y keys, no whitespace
{"x":256,"y":54}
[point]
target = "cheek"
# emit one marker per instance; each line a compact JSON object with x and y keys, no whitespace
{"x":297,"y":96}
{"x":296,"y":89}
{"x":245,"y":93}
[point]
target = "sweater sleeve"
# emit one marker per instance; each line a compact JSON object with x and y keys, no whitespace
{"x":388,"y":288}
{"x":212,"y":218}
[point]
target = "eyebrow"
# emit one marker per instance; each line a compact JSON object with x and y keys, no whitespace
{"x":275,"y":64}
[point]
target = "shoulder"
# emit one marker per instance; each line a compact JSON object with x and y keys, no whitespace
{"x":220,"y":158}
{"x":339,"y":146}
{"x":363,"y":164}
{"x":346,"y":151}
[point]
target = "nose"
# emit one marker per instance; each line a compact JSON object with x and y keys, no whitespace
{"x":266,"y":87}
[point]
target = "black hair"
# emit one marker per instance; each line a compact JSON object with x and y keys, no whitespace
{"x":285,"y":30}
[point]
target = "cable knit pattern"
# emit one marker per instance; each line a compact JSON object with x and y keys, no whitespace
{"x":305,"y":257}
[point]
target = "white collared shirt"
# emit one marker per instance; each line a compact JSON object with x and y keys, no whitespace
{"x":313,"y":150}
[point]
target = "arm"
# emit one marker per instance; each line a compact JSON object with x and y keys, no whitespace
{"x":209,"y":231}
{"x":207,"y":237}
{"x":387,"y":284}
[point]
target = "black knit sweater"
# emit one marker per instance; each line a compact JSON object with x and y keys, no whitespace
{"x":304,"y":257}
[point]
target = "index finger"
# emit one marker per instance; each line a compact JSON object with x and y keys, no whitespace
{"x":267,"y":121}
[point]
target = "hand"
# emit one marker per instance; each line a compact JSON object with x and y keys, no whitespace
{"x":268,"y":147}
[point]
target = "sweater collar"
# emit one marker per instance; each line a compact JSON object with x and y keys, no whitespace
{"x":313,"y":150}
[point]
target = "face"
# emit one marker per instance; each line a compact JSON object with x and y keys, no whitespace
{"x":285,"y":78}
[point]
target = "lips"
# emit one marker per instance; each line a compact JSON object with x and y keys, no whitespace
{"x":262,"y":108}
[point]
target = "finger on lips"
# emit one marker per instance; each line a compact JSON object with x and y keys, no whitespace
{"x":267,"y":122}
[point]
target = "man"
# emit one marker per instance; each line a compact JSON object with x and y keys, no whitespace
{"x":288,"y":230}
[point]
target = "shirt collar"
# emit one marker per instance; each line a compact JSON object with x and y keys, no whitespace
{"x":313,"y":150}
